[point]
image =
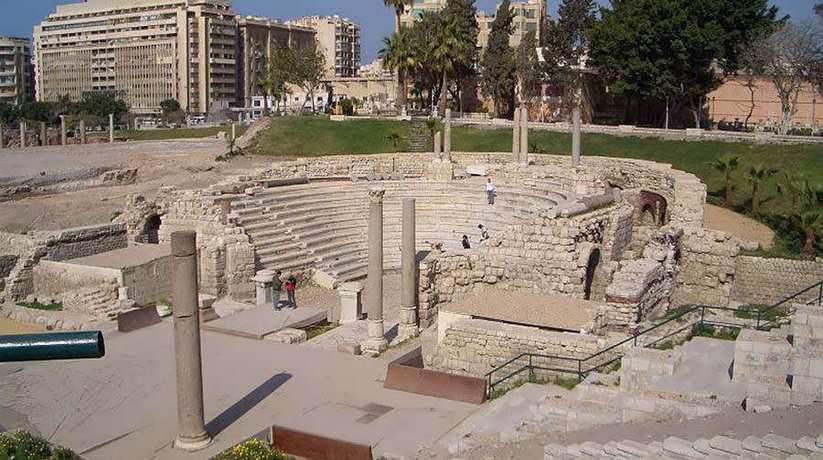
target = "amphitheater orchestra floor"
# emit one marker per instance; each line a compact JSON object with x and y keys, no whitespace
{"x":258,"y":322}
{"x":538,"y":310}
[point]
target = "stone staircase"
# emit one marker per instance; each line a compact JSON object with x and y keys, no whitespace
{"x":323,"y":224}
{"x":99,"y":301}
{"x":770,"y":446}
{"x":419,"y":139}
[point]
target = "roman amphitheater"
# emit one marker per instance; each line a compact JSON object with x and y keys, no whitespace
{"x":598,"y":304}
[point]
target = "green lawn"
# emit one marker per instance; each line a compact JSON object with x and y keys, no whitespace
{"x":178,"y":133}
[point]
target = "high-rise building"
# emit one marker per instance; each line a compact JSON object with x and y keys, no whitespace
{"x":340,"y":40}
{"x":145,"y":50}
{"x":16,"y":73}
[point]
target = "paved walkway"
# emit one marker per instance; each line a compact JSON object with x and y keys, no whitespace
{"x":123,"y":406}
{"x":258,"y":322}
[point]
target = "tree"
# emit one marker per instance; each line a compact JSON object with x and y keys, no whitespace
{"x":395,"y":139}
{"x":278,"y":74}
{"x":169,"y":105}
{"x":792,"y":185}
{"x":528,"y":67}
{"x":308,"y":69}
{"x":726,"y":165}
{"x":95,"y":107}
{"x":399,"y":55}
{"x":498,"y":64}
{"x":399,"y":7}
{"x":448,"y":51}
{"x":757,"y":176}
{"x":811,"y":224}
{"x":790,"y":58}
{"x":9,"y":113}
{"x":464,"y":13}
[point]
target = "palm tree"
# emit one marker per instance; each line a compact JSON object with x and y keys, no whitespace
{"x":447,"y":52}
{"x":758,"y":174}
{"x":399,"y":8}
{"x":400,"y":56}
{"x":726,"y":164}
{"x":792,"y":185}
{"x":811,"y":224}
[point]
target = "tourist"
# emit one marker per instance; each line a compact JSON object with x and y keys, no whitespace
{"x":491,"y":191}
{"x":276,"y":287}
{"x":466,"y":243}
{"x":291,"y":286}
{"x":484,"y":234}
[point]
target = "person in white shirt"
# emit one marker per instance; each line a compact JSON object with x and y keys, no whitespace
{"x":484,"y":233}
{"x":491,"y":192}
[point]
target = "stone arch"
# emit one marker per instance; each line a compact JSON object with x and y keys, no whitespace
{"x":592,"y":266}
{"x":653,"y":209}
{"x":151,"y":230}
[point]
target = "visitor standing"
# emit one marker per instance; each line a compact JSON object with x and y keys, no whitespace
{"x":291,"y":287}
{"x":484,"y":233}
{"x":276,"y":288}
{"x":491,"y":191}
{"x":466,"y":243}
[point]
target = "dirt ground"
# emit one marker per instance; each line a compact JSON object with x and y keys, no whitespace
{"x":743,"y":227}
{"x":8,"y":326}
{"x":180,"y":163}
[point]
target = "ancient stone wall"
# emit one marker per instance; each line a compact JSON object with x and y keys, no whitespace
{"x":707,"y":268}
{"x":389,"y":165}
{"x":475,"y":347}
{"x":149,"y":282}
{"x":52,"y":279}
{"x":759,"y":280}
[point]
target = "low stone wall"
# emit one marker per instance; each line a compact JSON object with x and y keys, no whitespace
{"x":60,"y":320}
{"x":475,"y":347}
{"x":52,"y":279}
{"x":767,"y":281}
{"x":707,"y":268}
{"x":642,"y":365}
{"x":149,"y":282}
{"x":82,"y":242}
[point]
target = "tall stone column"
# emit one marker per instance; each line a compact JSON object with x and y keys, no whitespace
{"x":408,"y":264}
{"x":44,"y":134}
{"x":438,"y":147}
{"x":63,"y":137}
{"x":516,"y":137}
{"x":524,"y":134}
{"x":233,"y":131}
{"x":191,"y":425}
{"x":111,"y":128}
{"x":376,"y":342}
{"x":576,"y":129}
{"x":82,"y":131}
{"x":22,"y":134}
{"x":447,"y":136}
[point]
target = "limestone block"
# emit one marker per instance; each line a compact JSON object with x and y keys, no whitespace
{"x":288,"y":336}
{"x":349,"y":348}
{"x":351,"y":308}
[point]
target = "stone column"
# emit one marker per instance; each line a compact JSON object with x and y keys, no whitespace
{"x":63,"y":137}
{"x":233,"y":131}
{"x":576,"y":137}
{"x":438,"y":148}
{"x":447,"y":136}
{"x":524,"y":134}
{"x":408,"y":290}
{"x":376,"y":342}
{"x":516,"y":137}
{"x":22,"y":134}
{"x":111,"y":128}
{"x":2,"y":135}
{"x":44,"y":134}
{"x":82,"y":131}
{"x":191,"y":425}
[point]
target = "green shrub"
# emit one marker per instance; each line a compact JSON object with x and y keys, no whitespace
{"x":22,"y":445}
{"x":41,"y":306}
{"x":253,"y":449}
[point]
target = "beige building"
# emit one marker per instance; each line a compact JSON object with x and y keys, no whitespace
{"x":732,"y":102}
{"x":16,"y":72}
{"x":528,"y":16}
{"x":146,"y":50}
{"x":340,"y":40}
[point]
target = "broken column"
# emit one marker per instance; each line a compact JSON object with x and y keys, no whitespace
{"x":408,"y":264}
{"x":263,"y":282}
{"x":82,"y":131}
{"x":524,"y":134}
{"x":376,"y":343}
{"x":576,"y":137}
{"x":111,"y":128}
{"x":233,"y":131}
{"x":44,"y":134}
{"x":22,"y":134}
{"x":63,"y":137}
{"x":438,"y":148}
{"x":516,"y":137}
{"x":191,"y":425}
{"x":447,"y":136}
{"x":351,"y":307}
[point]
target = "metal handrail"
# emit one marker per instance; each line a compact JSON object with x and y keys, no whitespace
{"x":582,"y":371}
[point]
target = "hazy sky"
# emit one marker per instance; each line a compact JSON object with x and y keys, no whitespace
{"x":377,"y":21}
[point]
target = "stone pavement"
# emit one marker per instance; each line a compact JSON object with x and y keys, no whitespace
{"x":123,"y":406}
{"x":258,"y":322}
{"x":349,"y":333}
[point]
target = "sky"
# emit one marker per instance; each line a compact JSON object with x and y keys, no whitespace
{"x":377,"y":21}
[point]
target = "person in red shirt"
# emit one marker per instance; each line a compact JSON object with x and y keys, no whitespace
{"x":291,"y":287}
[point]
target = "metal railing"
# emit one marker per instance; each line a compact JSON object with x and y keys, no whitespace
{"x":580,"y":367}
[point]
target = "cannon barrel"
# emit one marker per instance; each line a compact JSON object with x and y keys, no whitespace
{"x":55,"y":345}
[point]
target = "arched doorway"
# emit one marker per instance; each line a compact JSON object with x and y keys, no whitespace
{"x":591,"y":273}
{"x":653,"y":209}
{"x":151,"y":231}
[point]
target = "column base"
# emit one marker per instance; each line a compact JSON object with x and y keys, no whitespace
{"x":192,"y":444}
{"x":407,"y":331}
{"x":374,"y":346}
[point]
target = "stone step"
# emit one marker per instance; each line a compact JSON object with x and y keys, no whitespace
{"x":341,"y":270}
{"x":340,"y":253}
{"x":279,"y":249}
{"x":270,"y":237}
{"x":284,"y":257}
{"x":286,"y":264}
{"x":353,"y":256}
{"x":355,"y":273}
{"x":319,"y":239}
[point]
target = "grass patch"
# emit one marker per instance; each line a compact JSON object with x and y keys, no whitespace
{"x":179,"y":133}
{"x":58,"y":306}
{"x":319,"y":329}
{"x":713,"y":332}
{"x":769,"y":315}
{"x":568,"y":383}
{"x":675,"y":312}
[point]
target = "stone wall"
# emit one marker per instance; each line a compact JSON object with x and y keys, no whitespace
{"x":53,"y":279}
{"x":149,"y":282}
{"x":475,"y":347}
{"x":759,"y":280}
{"x":707,"y":268}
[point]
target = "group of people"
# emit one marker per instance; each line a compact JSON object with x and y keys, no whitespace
{"x":484,"y":235}
{"x":277,"y":288}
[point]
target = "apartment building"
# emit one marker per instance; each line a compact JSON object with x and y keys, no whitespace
{"x":145,"y":50}
{"x":340,"y":40}
{"x":259,"y":38}
{"x":16,"y":72}
{"x":529,"y":15}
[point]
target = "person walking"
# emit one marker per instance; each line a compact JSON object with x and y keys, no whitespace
{"x":291,"y":287}
{"x":491,"y":192}
{"x":484,"y":233}
{"x":466,"y":243}
{"x":276,"y":288}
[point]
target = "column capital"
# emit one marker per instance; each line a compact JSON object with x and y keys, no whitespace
{"x":376,"y":195}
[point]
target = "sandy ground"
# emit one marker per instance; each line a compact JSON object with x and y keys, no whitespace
{"x":8,"y":326}
{"x":181,"y":163}
{"x":743,"y":227}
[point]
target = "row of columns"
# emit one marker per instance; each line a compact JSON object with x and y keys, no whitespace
{"x":520,"y":136}
{"x":63,"y":134}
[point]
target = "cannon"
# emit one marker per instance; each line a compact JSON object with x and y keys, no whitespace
{"x":52,"y":346}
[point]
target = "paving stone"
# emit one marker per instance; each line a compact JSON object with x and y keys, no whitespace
{"x":752,"y":444}
{"x":633,"y":448}
{"x":820,"y":442}
{"x":779,"y":443}
{"x":727,"y":445}
{"x":807,"y":443}
{"x":797,"y":457}
{"x":656,"y":448}
{"x":592,"y":449}
{"x":681,"y":447}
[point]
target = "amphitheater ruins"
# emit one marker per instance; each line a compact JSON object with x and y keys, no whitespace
{"x":579,"y":258}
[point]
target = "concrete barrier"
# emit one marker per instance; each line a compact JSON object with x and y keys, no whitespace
{"x":407,"y":374}
{"x":138,"y":318}
{"x":316,"y":447}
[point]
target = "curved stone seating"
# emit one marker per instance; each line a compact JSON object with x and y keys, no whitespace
{"x":323,"y":225}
